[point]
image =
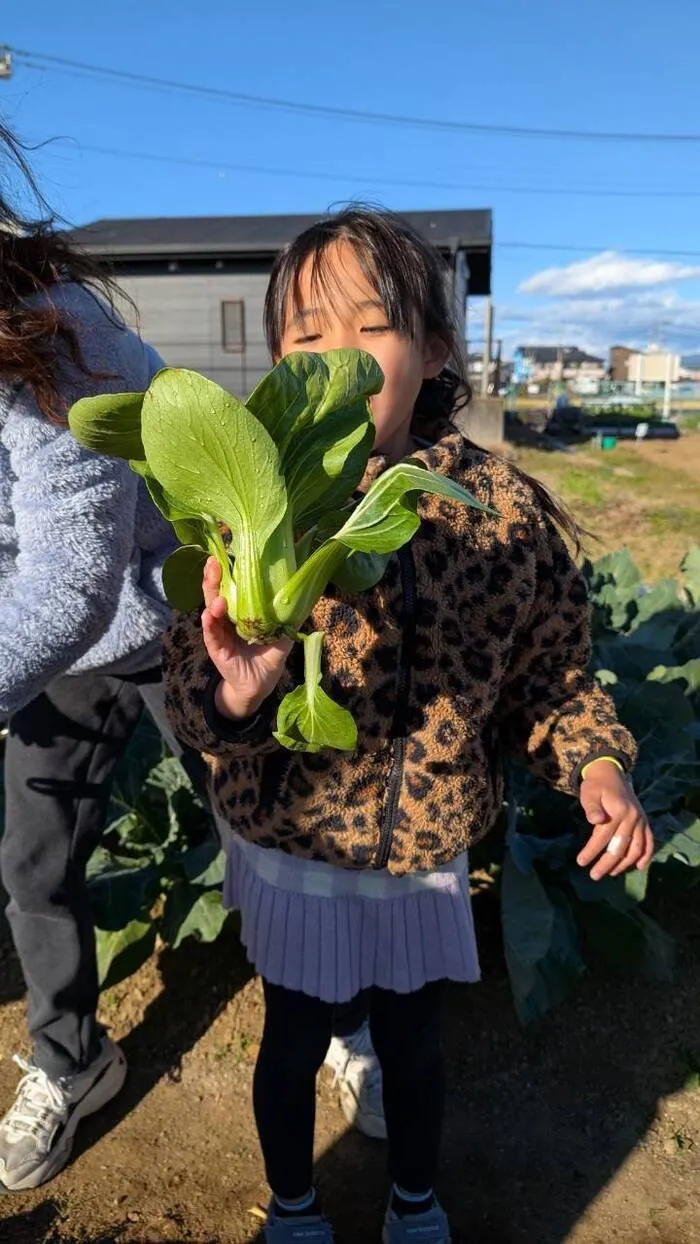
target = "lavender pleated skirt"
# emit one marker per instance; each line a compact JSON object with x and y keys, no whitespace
{"x":332,"y":932}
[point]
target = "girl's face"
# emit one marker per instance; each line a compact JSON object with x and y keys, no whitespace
{"x":355,"y":317}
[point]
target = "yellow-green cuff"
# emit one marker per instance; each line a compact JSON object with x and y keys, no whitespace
{"x":610,"y":759}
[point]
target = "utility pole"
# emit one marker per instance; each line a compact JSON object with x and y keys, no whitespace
{"x":488,"y":343}
{"x":667,"y":387}
{"x":497,"y":374}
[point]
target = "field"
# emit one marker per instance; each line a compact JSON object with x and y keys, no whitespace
{"x":584,"y":1129}
{"x":645,"y":496}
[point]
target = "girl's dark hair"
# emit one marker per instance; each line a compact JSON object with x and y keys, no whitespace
{"x":409,"y":277}
{"x":35,"y":341}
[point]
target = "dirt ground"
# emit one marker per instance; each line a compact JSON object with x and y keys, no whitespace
{"x":586,"y":1130}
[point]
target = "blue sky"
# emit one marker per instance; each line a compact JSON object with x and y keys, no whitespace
{"x":595,"y":66}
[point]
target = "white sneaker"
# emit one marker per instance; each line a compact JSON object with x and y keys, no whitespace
{"x":37,"y":1133}
{"x":359,"y":1078}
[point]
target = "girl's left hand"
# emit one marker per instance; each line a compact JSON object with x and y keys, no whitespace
{"x":621,"y":838}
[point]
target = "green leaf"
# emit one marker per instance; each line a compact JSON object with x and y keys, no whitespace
{"x":121,"y":889}
{"x":204,"y":865}
{"x":285,"y":397}
{"x":139,"y":833}
{"x":311,"y":723}
{"x":308,"y":720}
{"x":659,"y":715}
{"x":540,"y":941}
{"x":109,"y":423}
{"x":316,"y":410}
{"x":619,"y":569}
{"x":213,"y":456}
{"x":171,"y":801}
{"x":361,"y":571}
{"x":146,"y":749}
{"x":386,"y":517}
{"x":191,"y":911}
{"x":660,"y":612}
{"x":618,"y":931}
{"x":690,"y":567}
{"x":304,"y":387}
{"x":615,"y":586}
{"x":122,"y":952}
{"x":325,"y":466}
{"x":679,"y":836}
{"x":182,"y":577}
{"x":688,"y":674}
{"x":189,"y":527}
{"x":304,"y":546}
{"x":636,"y":884}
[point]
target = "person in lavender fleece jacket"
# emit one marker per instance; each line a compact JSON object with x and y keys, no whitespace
{"x":81,"y":617}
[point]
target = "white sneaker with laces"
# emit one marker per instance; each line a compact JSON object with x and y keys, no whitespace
{"x":37,"y":1133}
{"x":359,"y":1079}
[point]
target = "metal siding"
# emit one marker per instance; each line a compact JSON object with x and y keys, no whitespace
{"x":181,"y":317}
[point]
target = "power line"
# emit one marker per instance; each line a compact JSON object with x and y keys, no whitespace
{"x":316,"y":175}
{"x":534,"y":246}
{"x":594,"y":250}
{"x":554,"y":247}
{"x":41,"y":60}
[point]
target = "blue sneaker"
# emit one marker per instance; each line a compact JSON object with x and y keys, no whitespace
{"x":429,"y":1228}
{"x":311,"y":1229}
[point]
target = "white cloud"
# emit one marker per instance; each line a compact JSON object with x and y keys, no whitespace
{"x":594,"y":324}
{"x":607,"y":271}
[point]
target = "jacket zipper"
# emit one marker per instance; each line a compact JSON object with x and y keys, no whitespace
{"x":403,"y":690}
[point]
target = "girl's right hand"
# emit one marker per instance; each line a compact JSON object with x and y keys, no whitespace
{"x":249,"y":672}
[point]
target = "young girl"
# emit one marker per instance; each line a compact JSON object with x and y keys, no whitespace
{"x":350,"y":870}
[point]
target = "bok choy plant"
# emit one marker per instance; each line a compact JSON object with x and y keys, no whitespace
{"x":280,"y":473}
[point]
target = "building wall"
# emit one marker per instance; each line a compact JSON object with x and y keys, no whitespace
{"x":620,"y":363}
{"x":657,"y":366}
{"x":180,"y":315}
{"x":542,"y":372}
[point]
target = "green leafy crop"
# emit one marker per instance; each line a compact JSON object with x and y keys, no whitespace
{"x":280,"y":473}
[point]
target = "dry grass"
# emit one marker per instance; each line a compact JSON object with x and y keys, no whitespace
{"x":646,"y":497}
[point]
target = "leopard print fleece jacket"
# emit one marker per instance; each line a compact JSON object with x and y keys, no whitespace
{"x":476,"y":642}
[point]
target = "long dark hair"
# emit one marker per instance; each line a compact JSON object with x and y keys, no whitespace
{"x":409,"y":277}
{"x":35,"y":341}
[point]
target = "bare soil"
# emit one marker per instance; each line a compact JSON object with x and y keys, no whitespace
{"x":585,"y":1130}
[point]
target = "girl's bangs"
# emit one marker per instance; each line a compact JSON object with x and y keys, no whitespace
{"x":329,"y":289}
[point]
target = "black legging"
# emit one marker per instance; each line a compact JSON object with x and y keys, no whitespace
{"x":406,"y":1035}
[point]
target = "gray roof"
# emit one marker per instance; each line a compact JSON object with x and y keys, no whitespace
{"x":255,"y":235}
{"x":570,"y":355}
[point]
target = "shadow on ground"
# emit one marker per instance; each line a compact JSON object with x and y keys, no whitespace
{"x":539,"y":1121}
{"x":36,"y":1226}
{"x":199,"y":981}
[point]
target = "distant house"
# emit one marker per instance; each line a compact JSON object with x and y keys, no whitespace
{"x":199,"y":282}
{"x":652,"y":366}
{"x":560,"y":363}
